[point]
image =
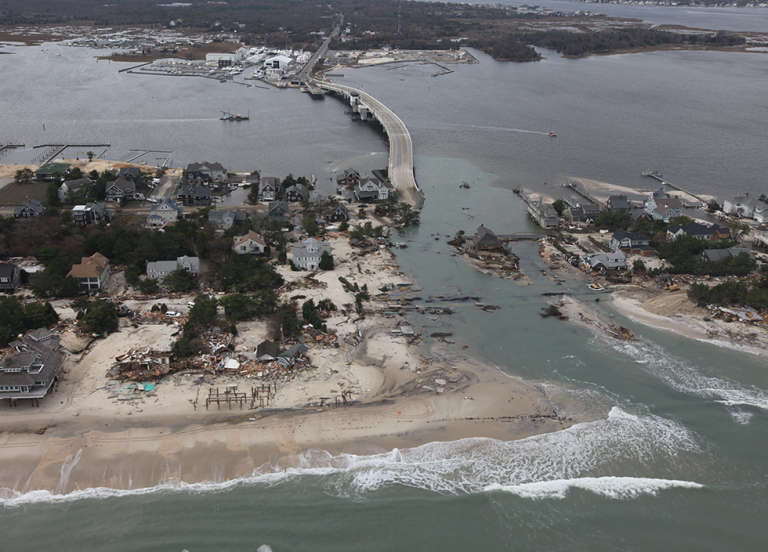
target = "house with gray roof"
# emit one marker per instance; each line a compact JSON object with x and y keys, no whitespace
{"x":121,"y":188}
{"x":32,"y":369}
{"x":698,"y":230}
{"x":297,"y":192}
{"x":194,"y":194}
{"x":269,"y":188}
{"x":618,"y":202}
{"x":633,"y":243}
{"x":226,"y":219}
{"x":484,"y":239}
{"x":159,"y":270}
{"x":337,"y":213}
{"x":543,"y":213}
{"x":130,"y":173}
{"x":30,"y":208}
{"x":717,"y":255}
{"x":91,"y":213}
{"x":165,"y":212}
{"x":278,"y":211}
{"x":600,"y":262}
{"x":307,"y":254}
{"x":69,"y":188}
{"x":742,"y":206}
{"x":661,"y":206}
{"x":215,"y":171}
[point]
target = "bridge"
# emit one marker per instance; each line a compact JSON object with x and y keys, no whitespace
{"x":400,"y":168}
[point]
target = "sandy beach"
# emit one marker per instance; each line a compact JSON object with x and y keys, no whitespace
{"x":403,"y":394}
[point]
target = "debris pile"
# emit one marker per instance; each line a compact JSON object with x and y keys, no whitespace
{"x":141,"y":365}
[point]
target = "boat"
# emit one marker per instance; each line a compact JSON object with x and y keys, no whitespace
{"x":227,"y":116}
{"x":552,"y":134}
{"x":464,"y":185}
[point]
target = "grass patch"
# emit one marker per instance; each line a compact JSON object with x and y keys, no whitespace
{"x":16,"y":194}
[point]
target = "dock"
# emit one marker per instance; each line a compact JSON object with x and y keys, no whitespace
{"x":660,"y":177}
{"x":579,"y":188}
{"x":58,"y":148}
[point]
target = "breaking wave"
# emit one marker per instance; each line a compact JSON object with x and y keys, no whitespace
{"x":683,"y":376}
{"x":634,"y":445}
{"x":609,"y":487}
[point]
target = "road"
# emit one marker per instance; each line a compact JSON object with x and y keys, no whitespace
{"x":400,"y":144}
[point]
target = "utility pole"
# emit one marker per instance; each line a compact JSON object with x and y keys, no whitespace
{"x":398,"y":16}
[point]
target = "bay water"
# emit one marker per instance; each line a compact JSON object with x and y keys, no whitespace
{"x":679,"y":459}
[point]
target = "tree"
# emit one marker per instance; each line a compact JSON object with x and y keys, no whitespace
{"x":39,"y":315}
{"x":738,"y":230}
{"x":310,"y":224}
{"x":360,"y":297}
{"x":148,"y":286}
{"x":560,"y":206}
{"x":638,"y":267}
{"x":52,"y":194}
{"x":326,"y":261}
{"x":90,"y":155}
{"x":204,"y":311}
{"x":24,"y":176}
{"x":11,"y":320}
{"x":181,"y":280}
{"x":100,"y":317}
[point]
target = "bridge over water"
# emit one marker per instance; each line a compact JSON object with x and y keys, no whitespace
{"x":400,"y":145}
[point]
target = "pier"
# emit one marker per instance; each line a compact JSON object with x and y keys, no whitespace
{"x":6,"y":148}
{"x":578,"y":187}
{"x":58,"y":148}
{"x":660,"y":177}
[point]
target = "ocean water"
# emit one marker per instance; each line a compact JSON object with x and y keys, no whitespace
{"x":679,"y":462}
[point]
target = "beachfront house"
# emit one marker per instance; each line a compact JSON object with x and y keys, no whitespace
{"x":30,"y":208}
{"x":10,"y":277}
{"x":742,"y":206}
{"x":49,"y":171}
{"x":307,"y":254}
{"x":92,"y":272}
{"x":350,"y":177}
{"x":269,"y":187}
{"x":32,"y":368}
{"x":69,"y":188}
{"x":617,"y":203}
{"x":543,"y":213}
{"x":121,"y":188}
{"x":581,"y":213}
{"x":130,"y":173}
{"x":249,"y":244}
{"x":600,"y":262}
{"x":166,"y":212}
{"x":215,"y":171}
{"x":159,"y":270}
{"x":91,"y":213}
{"x":661,"y":206}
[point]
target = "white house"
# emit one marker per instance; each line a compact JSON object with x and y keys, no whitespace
{"x":251,"y":243}
{"x":743,"y":206}
{"x":92,"y":272}
{"x":70,"y":187}
{"x":166,"y":212}
{"x":308,"y":253}
{"x":373,"y":189}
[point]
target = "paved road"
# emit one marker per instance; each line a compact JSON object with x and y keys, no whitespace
{"x":400,"y":144}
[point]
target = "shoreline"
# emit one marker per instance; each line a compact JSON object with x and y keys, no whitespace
{"x":404,"y":395}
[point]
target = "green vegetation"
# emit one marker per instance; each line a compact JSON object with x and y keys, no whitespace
{"x":243,"y":273}
{"x":98,"y":316}
{"x":682,"y":254}
{"x":311,"y":315}
{"x":16,"y":319}
{"x":745,"y":293}
{"x":600,"y":245}
{"x":180,"y":280}
{"x":326,"y":261}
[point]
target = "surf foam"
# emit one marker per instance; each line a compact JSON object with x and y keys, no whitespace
{"x":621,"y":488}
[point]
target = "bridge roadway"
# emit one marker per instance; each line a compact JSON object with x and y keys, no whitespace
{"x":400,"y":145}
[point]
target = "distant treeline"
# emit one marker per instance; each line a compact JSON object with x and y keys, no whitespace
{"x":515,"y":46}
